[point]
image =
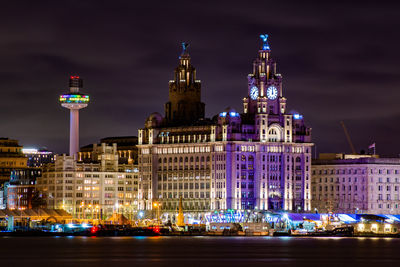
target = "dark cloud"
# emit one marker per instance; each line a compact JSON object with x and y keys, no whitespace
{"x":339,"y":60}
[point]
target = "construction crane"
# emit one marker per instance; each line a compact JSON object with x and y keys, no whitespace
{"x":353,"y":150}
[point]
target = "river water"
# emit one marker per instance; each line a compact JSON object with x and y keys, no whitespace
{"x":198,"y":251}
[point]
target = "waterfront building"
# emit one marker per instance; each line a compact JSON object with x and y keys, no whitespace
{"x":38,"y":157}
{"x":356,"y":184}
{"x":94,"y":189}
{"x":17,"y":178}
{"x":259,"y":159}
{"x":126,"y":146}
{"x":74,"y":101}
{"x":20,"y":191}
{"x":19,"y":197}
{"x":11,"y":157}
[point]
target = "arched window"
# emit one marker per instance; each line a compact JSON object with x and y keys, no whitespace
{"x":298,"y":159}
{"x":165,"y":160}
{"x":273,"y":135}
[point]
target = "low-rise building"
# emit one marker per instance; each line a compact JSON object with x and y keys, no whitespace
{"x":356,"y":184}
{"x":95,"y":189}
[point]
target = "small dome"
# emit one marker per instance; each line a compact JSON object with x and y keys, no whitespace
{"x":154,"y":120}
{"x":229,"y":112}
{"x":229,"y":109}
{"x":155,"y":116}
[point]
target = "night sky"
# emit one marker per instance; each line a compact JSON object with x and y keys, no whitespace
{"x":339,"y":61}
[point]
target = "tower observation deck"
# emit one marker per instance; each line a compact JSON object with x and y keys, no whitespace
{"x":74,"y":101}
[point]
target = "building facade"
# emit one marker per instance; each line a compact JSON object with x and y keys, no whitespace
{"x":356,"y":184}
{"x":11,"y":157}
{"x":20,"y":197}
{"x":95,"y":189}
{"x":38,"y":157}
{"x":126,"y":145}
{"x":20,"y":191}
{"x":259,"y":159}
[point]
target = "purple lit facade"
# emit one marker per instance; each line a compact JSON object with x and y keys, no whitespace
{"x":259,"y":159}
{"x":356,"y":184}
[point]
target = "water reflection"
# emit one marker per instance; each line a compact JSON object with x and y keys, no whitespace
{"x":212,"y":251}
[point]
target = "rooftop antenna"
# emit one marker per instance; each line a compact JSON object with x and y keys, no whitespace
{"x":353,"y":150}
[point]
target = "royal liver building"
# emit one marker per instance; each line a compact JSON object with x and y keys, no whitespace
{"x":258,"y":159}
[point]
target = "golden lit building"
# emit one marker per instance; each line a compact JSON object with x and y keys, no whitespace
{"x":11,"y":157}
{"x":95,"y":189}
{"x":126,"y":148}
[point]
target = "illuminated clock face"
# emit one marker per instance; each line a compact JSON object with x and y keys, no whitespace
{"x":254,"y":92}
{"x":272,"y":92}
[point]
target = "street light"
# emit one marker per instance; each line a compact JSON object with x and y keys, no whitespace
{"x":117,"y":207}
{"x":83,"y":209}
{"x":91,"y":210}
{"x":157,"y":205}
{"x":97,"y":212}
{"x":127,"y":211}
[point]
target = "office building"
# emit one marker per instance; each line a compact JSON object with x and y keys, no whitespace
{"x":126,"y":148}
{"x":94,"y":189}
{"x":11,"y":157}
{"x":38,"y":157}
{"x":356,"y":184}
{"x":259,"y":159}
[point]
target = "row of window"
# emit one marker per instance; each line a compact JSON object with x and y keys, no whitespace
{"x":181,"y":186}
{"x":95,"y":195}
{"x":353,"y":171}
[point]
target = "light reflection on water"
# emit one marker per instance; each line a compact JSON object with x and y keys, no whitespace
{"x":201,"y":250}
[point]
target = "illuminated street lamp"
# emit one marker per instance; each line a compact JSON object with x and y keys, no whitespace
{"x":127,"y":210}
{"x":91,"y":210}
{"x":97,"y":212}
{"x":82,"y":206}
{"x":117,"y":207}
{"x":157,"y":205}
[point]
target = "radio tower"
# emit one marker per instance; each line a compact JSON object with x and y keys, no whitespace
{"x":74,"y":101}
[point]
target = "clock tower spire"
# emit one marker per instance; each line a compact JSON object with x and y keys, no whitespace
{"x":264,"y":84}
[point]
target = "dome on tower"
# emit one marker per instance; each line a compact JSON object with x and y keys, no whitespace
{"x":154,"y":120}
{"x":229,"y":113}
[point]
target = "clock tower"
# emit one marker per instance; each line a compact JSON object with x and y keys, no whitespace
{"x":264,"y":85}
